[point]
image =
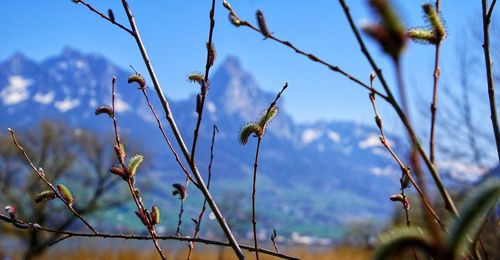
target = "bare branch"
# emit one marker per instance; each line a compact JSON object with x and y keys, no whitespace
{"x":91,"y":8}
{"x":40,"y":174}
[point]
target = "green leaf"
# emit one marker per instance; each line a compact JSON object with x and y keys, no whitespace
{"x":134,"y":163}
{"x":403,"y":238}
{"x":464,"y":229}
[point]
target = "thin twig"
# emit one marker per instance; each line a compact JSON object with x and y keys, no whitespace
{"x":254,"y":189}
{"x":449,"y":204}
{"x":208,"y":65}
{"x":49,"y":184}
{"x":489,"y":71}
{"x":306,"y":54}
{"x":404,"y":169}
{"x":204,"y":206}
{"x":275,"y":243}
{"x":162,"y":130}
{"x":204,"y":90}
{"x":132,"y":189}
{"x":255,"y":167}
{"x":437,"y":72}
{"x":490,"y":11}
{"x":105,"y":17}
{"x":179,"y":222}
{"x":32,"y":226}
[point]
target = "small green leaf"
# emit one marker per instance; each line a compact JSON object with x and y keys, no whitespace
{"x":464,"y":229}
{"x":66,"y":194}
{"x":247,"y":130}
{"x":44,"y":196}
{"x":133,"y":164}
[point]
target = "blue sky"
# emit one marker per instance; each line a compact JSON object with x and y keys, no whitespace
{"x":175,"y":33}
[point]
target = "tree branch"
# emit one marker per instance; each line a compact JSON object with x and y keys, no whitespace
{"x":30,"y":226}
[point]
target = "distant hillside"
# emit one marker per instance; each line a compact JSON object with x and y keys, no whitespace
{"x":314,"y":178}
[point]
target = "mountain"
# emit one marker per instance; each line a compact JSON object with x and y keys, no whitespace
{"x":313,"y":178}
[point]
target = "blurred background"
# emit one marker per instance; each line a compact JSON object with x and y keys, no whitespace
{"x":324,"y":178}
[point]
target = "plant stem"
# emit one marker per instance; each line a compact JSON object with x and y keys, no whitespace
{"x":204,"y":206}
{"x":449,"y":204}
{"x":162,"y":130}
{"x":137,"y":200}
{"x":254,"y":220}
{"x":166,"y":107}
{"x":179,"y":222}
{"x":489,"y":74}
{"x":437,"y":72}
{"x":208,"y":65}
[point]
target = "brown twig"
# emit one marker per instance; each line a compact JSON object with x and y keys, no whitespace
{"x":49,"y":184}
{"x":204,"y":206}
{"x":132,"y":189}
{"x":255,"y":167}
{"x":105,"y":17}
{"x":449,"y":204}
{"x":254,"y":190}
{"x":204,"y":91}
{"x":275,"y":243}
{"x":404,"y":169}
{"x":179,"y":222}
{"x":162,"y":130}
{"x":490,"y":11}
{"x":489,"y":71}
{"x":303,"y":53}
{"x":437,"y":73}
{"x":32,"y":226}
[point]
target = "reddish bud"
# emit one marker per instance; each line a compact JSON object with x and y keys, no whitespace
{"x":142,"y":217}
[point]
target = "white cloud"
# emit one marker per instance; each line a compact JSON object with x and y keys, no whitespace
{"x":462,"y":171}
{"x":379,"y":171}
{"x":334,"y":136}
{"x":211,"y":107}
{"x":16,"y":91}
{"x":66,"y":104}
{"x":93,"y":103}
{"x":372,"y":140}
{"x":121,"y":106}
{"x":80,"y":64}
{"x":44,"y":99}
{"x":310,"y":135}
